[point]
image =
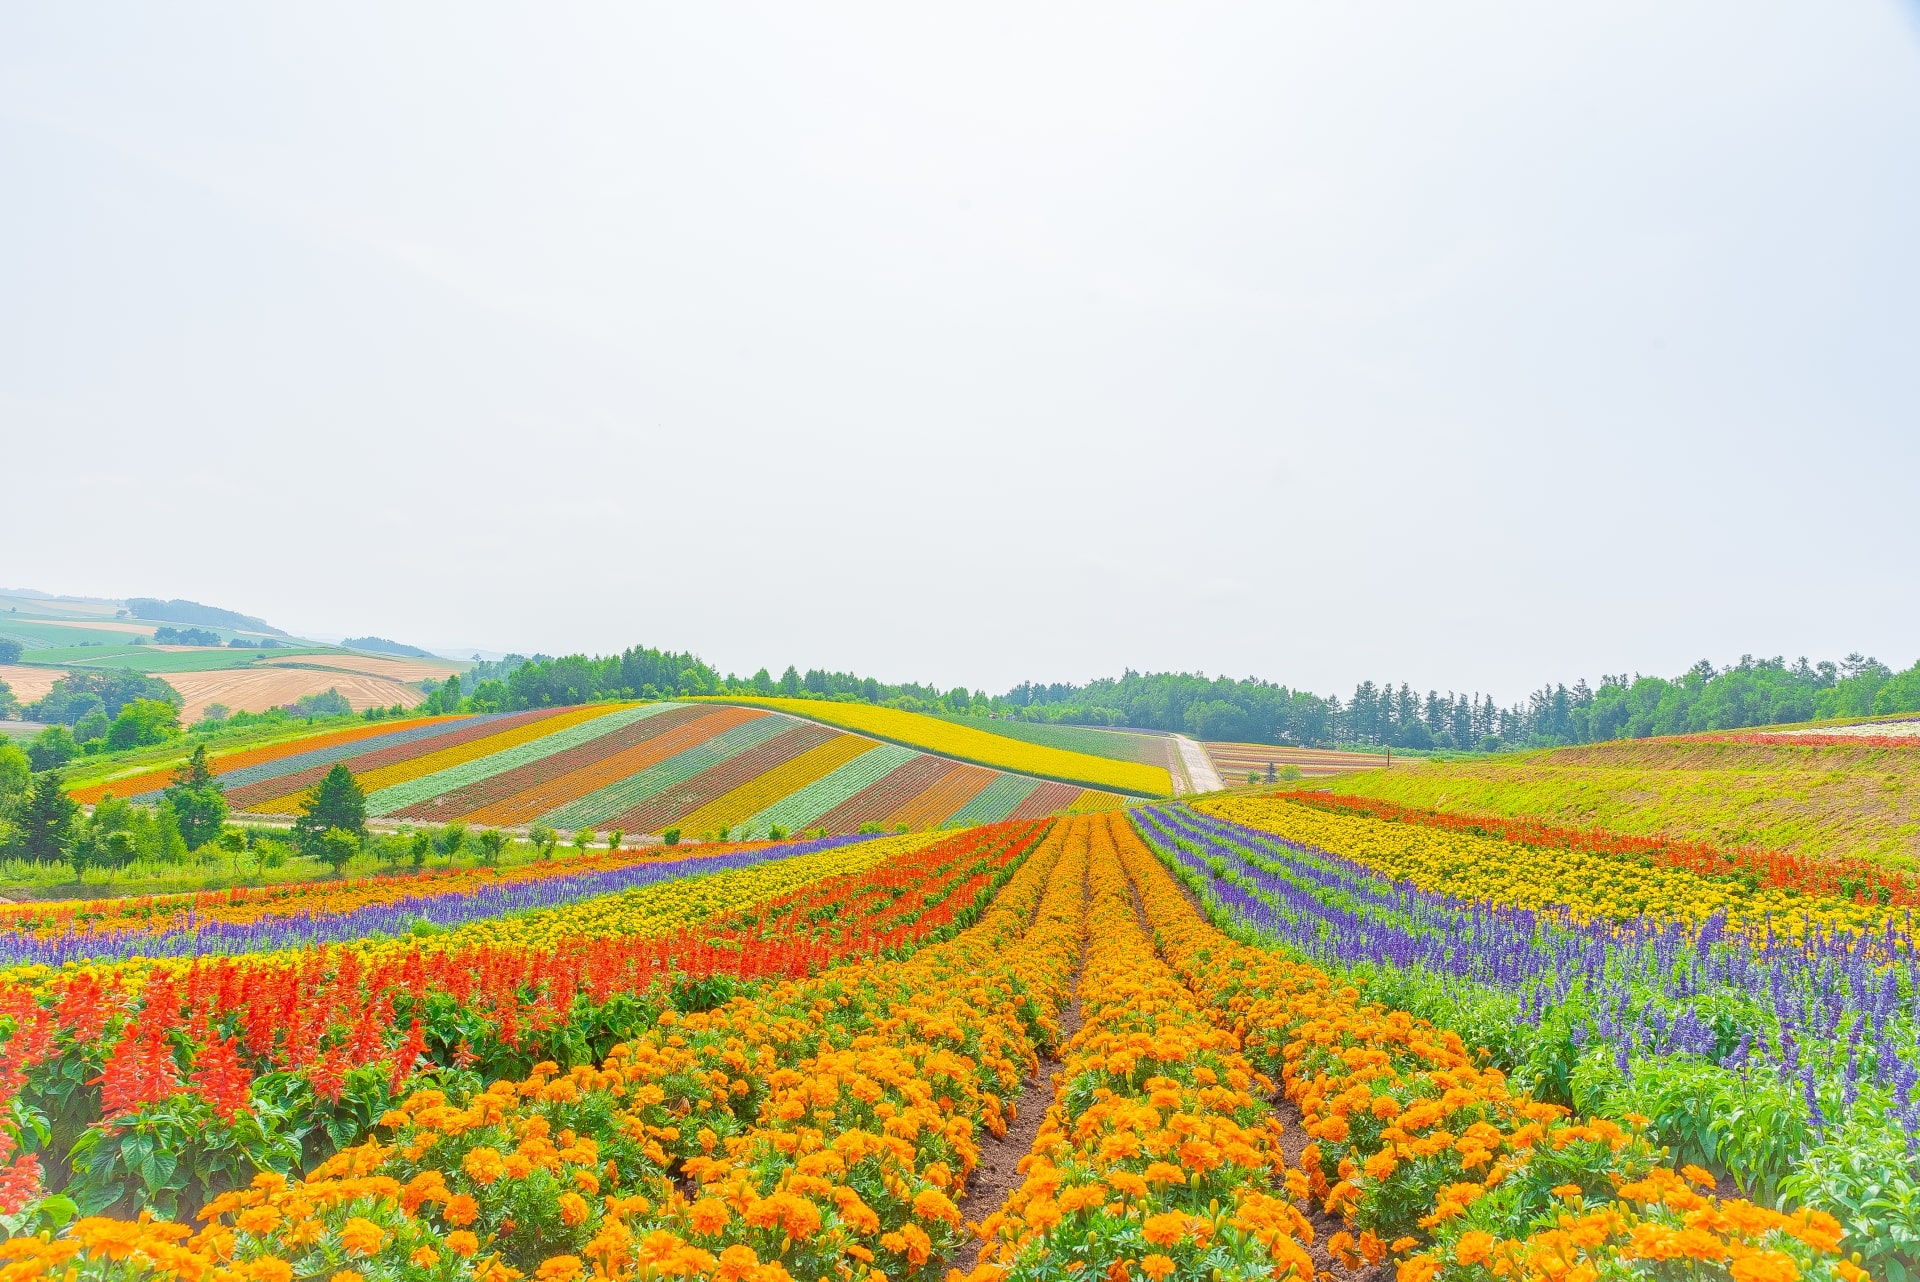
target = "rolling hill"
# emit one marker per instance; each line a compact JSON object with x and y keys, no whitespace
{"x":640,"y":767}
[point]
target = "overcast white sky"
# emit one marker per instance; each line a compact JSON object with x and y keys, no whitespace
{"x":1471,"y":345}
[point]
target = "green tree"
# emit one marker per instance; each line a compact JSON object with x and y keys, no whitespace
{"x":143,"y":722}
{"x":52,"y":748}
{"x":16,"y":775}
{"x":9,"y":650}
{"x":198,"y":801}
{"x":422,"y":847}
{"x":544,"y":839}
{"x":46,"y":821}
{"x":335,"y":802}
{"x":491,"y":842}
{"x":583,"y":838}
{"x":671,"y":836}
{"x":614,"y":839}
{"x":450,"y":840}
{"x":336,"y":848}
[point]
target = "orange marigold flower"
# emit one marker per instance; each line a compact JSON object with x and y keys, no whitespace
{"x":257,"y":1219}
{"x":345,"y":1275}
{"x":559,"y":1268}
{"x":268,"y":1268}
{"x":573,"y":1209}
{"x":1165,"y":1229}
{"x":932,"y":1204}
{"x":1474,"y":1247}
{"x":1765,"y":1266}
{"x":1156,"y":1266}
{"x":423,"y":1257}
{"x":1698,"y":1176}
{"x":484,"y":1165}
{"x":361,"y":1236}
{"x":462,"y":1243}
{"x":460,"y":1210}
{"x":708,"y":1216}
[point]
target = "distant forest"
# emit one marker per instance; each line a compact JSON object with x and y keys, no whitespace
{"x":1752,"y":692}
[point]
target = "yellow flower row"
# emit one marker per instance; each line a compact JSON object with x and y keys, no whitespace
{"x":1502,"y":872}
{"x":1157,"y":1152}
{"x":757,"y":794}
{"x":981,"y":747}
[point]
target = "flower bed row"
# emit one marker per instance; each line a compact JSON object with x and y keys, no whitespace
{"x":690,"y":795}
{"x":1858,"y":880}
{"x":821,"y":1128}
{"x":495,"y":798}
{"x":288,"y":776}
{"x":619,"y":796}
{"x":805,"y":806}
{"x":1157,"y":1157}
{"x":563,"y":795}
{"x":1435,"y":1160}
{"x":1583,"y":881}
{"x":222,"y":1068}
{"x":264,"y":760}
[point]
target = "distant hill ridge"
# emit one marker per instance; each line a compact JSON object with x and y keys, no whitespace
{"x":380,"y":645}
{"x":146,"y":607}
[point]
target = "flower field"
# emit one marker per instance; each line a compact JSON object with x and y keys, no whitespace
{"x":641,"y":768}
{"x":1261,"y":1038}
{"x":979,"y":746}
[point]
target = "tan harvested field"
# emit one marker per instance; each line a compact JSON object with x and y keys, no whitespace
{"x":29,"y":684}
{"x":1234,"y":760}
{"x":374,"y":666}
{"x":260,"y":688}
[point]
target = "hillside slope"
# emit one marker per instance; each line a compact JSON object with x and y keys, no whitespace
{"x":640,"y":767}
{"x":1822,"y":798}
{"x":976,"y":746}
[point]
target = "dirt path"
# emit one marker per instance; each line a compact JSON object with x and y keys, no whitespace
{"x":998,"y":1174}
{"x":1199,"y":768}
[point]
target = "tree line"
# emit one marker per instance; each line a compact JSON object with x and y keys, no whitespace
{"x":1752,"y":692}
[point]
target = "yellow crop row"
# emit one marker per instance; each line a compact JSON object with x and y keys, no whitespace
{"x":981,"y":747}
{"x":755,"y":795}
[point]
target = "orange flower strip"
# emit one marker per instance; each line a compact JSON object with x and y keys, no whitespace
{"x":1157,"y":1154}
{"x":1418,"y":1146}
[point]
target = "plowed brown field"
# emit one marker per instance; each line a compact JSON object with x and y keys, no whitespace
{"x":374,"y":666}
{"x":257,"y":689}
{"x":29,"y":684}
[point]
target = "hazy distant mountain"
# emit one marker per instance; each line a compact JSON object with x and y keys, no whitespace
{"x":144,"y":607}
{"x":380,"y":645}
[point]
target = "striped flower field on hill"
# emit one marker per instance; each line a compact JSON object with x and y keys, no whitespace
{"x":705,"y":768}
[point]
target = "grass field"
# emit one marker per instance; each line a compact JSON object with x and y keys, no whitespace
{"x":1815,"y":800}
{"x":979,"y":746}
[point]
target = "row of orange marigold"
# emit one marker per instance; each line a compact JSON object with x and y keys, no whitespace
{"x":1436,"y":1163}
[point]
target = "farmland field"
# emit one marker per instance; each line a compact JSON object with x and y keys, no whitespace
{"x":1120,"y":745}
{"x":256,"y":689}
{"x":27,"y":683}
{"x":1248,"y":1039}
{"x":1235,"y":760}
{"x":978,"y":744}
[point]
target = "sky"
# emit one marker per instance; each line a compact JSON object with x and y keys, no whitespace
{"x":1470,"y":345}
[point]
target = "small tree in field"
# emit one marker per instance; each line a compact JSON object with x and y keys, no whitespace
{"x":337,"y":849}
{"x":422,"y":847}
{"x":583,"y":838}
{"x":671,"y":837}
{"x":543,"y":839}
{"x":335,"y":802}
{"x":451,"y":839}
{"x":614,"y":839}
{"x":491,"y":842}
{"x":198,"y":803}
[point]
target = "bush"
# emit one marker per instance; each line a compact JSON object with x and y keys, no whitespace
{"x":671,"y":836}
